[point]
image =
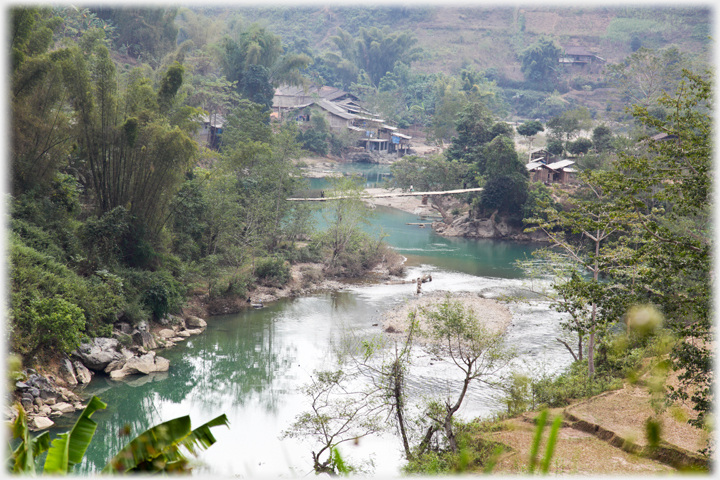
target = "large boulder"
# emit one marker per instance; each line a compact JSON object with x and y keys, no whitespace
{"x":192,"y":322}
{"x":97,"y":354}
{"x":40,"y":423}
{"x":147,"y":363}
{"x":166,"y":333}
{"x":144,"y":339}
{"x":68,"y":372}
{"x":82,"y":374}
{"x":62,"y":407}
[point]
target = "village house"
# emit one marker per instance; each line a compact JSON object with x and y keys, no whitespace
{"x":342,"y":112}
{"x":559,"y":172}
{"x":211,"y":131}
{"x":581,"y":58}
{"x":540,"y":155}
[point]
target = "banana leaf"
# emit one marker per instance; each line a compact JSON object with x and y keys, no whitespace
{"x":23,"y":457}
{"x":158,"y":449}
{"x":68,"y":449}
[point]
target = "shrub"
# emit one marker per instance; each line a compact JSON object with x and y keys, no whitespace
{"x":162,"y":294}
{"x":55,"y":323}
{"x":272,"y":271}
{"x":35,"y":277}
{"x":310,"y":276}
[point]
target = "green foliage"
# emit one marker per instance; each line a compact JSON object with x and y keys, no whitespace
{"x":555,"y":147}
{"x":45,"y":291}
{"x":375,"y":51}
{"x":505,"y":193}
{"x":161,"y":449}
{"x":645,"y":74}
{"x":144,"y":33}
{"x":272,"y":271}
{"x":581,"y":146}
{"x":602,"y":138}
{"x":68,"y":449}
{"x":55,"y":323}
{"x":23,"y":457}
{"x":540,"y":61}
{"x":538,"y":197}
{"x":530,"y":128}
{"x":162,"y":294}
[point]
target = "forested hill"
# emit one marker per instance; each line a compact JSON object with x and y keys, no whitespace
{"x":484,"y":36}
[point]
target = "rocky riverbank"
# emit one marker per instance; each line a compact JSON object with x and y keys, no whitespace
{"x":468,"y":227}
{"x":130,"y":351}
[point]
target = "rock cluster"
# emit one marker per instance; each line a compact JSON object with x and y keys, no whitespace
{"x":465,"y":226}
{"x":128,"y":352}
{"x":42,"y":399}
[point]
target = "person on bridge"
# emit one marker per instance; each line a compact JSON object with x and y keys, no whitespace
{"x":411,"y":189}
{"x":322,"y":193}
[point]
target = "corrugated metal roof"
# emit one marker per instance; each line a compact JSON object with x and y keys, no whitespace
{"x":533,"y":165}
{"x":401,"y":135}
{"x":334,"y":109}
{"x":561,"y":164}
{"x":389,"y":127}
{"x":577,"y":51}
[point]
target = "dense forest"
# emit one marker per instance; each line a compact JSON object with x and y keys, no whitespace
{"x":119,"y":212}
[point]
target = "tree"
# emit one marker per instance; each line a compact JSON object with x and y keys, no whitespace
{"x":458,"y":336}
{"x":667,"y":191}
{"x":41,"y":131}
{"x":602,"y":138}
{"x":530,"y":128}
{"x":345,"y":216}
{"x":581,"y":146}
{"x":256,"y":62}
{"x":433,"y":173}
{"x":337,"y":415}
{"x":539,"y":61}
{"x":145,"y":33}
{"x":375,"y":51}
{"x":645,"y":74}
{"x":555,"y":147}
{"x":596,"y":220}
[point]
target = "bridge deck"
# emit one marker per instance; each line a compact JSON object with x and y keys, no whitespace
{"x":385,"y":195}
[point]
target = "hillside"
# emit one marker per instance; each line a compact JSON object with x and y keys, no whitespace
{"x":491,"y":37}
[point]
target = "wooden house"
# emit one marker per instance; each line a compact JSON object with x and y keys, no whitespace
{"x":211,"y":130}
{"x":558,"y":172}
{"x":581,"y":58}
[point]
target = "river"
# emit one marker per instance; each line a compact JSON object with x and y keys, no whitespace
{"x":251,"y":365}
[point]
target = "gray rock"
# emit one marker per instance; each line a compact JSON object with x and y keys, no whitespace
{"x":48,"y":393}
{"x":49,"y":401}
{"x":99,"y":353}
{"x":35,"y":392}
{"x":144,"y":339}
{"x":40,"y":423}
{"x":83,"y":374}
{"x":45,"y":411}
{"x":166,"y":333}
{"x":116,"y":365}
{"x":26,"y":404}
{"x":67,"y":372}
{"x":39,"y":402}
{"x":63,"y":408}
{"x":164,"y":321}
{"x":177,"y":339}
{"x":28,"y":397}
{"x":196,"y":331}
{"x":195,"y":322}
{"x":184,"y":334}
{"x":125,"y":328}
{"x":78,"y":406}
{"x":148,"y":363}
{"x":21,"y":385}
{"x":127,"y":353}
{"x":142,"y":326}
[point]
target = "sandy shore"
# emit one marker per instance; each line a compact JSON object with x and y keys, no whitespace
{"x":407,"y":204}
{"x":494,"y":315}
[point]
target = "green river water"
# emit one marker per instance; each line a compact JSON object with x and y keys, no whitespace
{"x":250,"y":365}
